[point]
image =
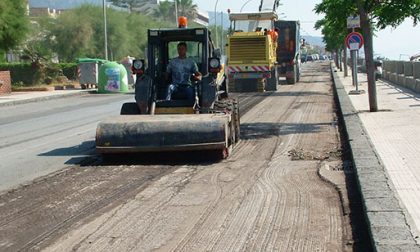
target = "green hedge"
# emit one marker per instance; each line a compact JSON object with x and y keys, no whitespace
{"x":69,"y":70}
{"x":20,"y":72}
{"x":27,"y":73}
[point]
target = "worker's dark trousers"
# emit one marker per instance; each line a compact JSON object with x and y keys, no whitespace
{"x":186,"y":89}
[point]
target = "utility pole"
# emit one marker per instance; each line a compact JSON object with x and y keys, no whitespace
{"x":221,"y":32}
{"x":215,"y":22}
{"x":176,"y":12}
{"x":105,"y":31}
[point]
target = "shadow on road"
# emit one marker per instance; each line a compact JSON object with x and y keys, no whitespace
{"x":298,"y":93}
{"x":82,"y":149}
{"x":251,"y":131}
{"x":85,"y":155}
{"x":202,"y":158}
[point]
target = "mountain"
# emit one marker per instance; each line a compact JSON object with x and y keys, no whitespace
{"x":226,"y":22}
{"x":62,"y":4}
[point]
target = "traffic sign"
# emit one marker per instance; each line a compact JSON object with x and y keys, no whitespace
{"x":353,"y":22}
{"x":354,"y":41}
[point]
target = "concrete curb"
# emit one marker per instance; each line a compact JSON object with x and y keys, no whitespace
{"x":44,"y":98}
{"x":388,"y":226}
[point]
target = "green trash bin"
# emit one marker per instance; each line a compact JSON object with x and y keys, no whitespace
{"x":112,"y":78}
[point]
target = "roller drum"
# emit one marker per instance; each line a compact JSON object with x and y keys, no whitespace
{"x":141,"y":133}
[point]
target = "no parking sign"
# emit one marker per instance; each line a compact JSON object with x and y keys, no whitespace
{"x":354,"y":41}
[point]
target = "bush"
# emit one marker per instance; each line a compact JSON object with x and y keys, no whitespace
{"x":30,"y":74}
{"x":69,"y":70}
{"x":20,"y":72}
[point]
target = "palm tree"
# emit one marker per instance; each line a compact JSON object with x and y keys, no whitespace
{"x":165,"y":11}
{"x":187,"y":8}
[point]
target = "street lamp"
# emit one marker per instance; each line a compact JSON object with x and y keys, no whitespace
{"x":176,"y":12}
{"x":244,"y":5}
{"x":105,"y":32}
{"x":215,"y":21}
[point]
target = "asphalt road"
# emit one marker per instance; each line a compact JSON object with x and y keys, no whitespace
{"x":267,"y":196}
{"x":44,"y":137}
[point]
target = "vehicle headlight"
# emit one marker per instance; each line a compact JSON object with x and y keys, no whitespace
{"x":138,"y":64}
{"x":214,"y":63}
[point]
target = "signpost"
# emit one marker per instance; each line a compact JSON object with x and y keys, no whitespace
{"x":354,"y":42}
{"x":353,"y":22}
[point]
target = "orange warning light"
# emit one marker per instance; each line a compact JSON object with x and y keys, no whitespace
{"x":182,"y":22}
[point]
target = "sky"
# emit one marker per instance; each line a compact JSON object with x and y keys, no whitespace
{"x":394,"y":44}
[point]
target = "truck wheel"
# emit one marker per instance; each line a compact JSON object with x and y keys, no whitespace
{"x":130,"y":108}
{"x":292,"y":80}
{"x":230,"y":106}
{"x":298,"y":74}
{"x":273,"y":82}
{"x":237,"y":117}
{"x":224,"y":88}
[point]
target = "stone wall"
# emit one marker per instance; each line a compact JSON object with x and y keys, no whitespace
{"x":5,"y":83}
{"x":404,"y":73}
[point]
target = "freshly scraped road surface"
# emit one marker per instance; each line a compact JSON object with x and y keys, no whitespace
{"x":267,"y":196}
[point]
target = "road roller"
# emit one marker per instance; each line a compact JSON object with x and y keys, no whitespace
{"x":207,"y":120}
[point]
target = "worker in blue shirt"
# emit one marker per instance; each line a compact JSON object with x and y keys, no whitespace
{"x":180,"y":69}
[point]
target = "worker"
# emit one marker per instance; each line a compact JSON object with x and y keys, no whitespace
{"x":180,"y":70}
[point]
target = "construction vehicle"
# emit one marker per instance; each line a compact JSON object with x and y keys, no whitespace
{"x":154,"y":124}
{"x":251,"y":52}
{"x":288,"y":50}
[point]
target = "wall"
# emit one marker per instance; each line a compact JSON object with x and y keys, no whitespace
{"x":5,"y":83}
{"x":404,"y":73}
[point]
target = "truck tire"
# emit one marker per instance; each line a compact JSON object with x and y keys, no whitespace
{"x":237,"y":117}
{"x":273,"y":82}
{"x":230,"y":106}
{"x":130,"y":108}
{"x":298,"y":73}
{"x":224,"y":87}
{"x":292,"y":80}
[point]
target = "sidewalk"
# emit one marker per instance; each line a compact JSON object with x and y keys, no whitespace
{"x":386,"y":153}
{"x":16,"y":98}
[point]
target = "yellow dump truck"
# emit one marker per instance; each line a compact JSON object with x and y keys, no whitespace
{"x":251,"y":52}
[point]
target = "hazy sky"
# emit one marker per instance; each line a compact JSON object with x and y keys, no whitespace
{"x":392,"y":43}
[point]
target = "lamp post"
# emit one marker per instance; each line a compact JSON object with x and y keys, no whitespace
{"x":176,"y":12}
{"x":244,"y":5}
{"x":221,"y":32}
{"x":215,"y":21}
{"x":105,"y":32}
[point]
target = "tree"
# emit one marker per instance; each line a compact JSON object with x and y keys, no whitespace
{"x":373,"y":15}
{"x":79,"y":33}
{"x":187,"y":8}
{"x":165,"y":11}
{"x":13,"y":23}
{"x":380,"y":14}
{"x":334,"y":27}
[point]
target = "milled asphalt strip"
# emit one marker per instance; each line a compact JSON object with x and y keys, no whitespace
{"x":43,"y":98}
{"x":385,"y":217}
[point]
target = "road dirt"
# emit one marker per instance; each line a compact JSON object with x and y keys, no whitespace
{"x":267,"y":196}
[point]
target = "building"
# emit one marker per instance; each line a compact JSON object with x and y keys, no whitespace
{"x":43,"y":12}
{"x":202,"y":18}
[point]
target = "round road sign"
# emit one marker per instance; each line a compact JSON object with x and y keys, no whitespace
{"x":354,"y":41}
